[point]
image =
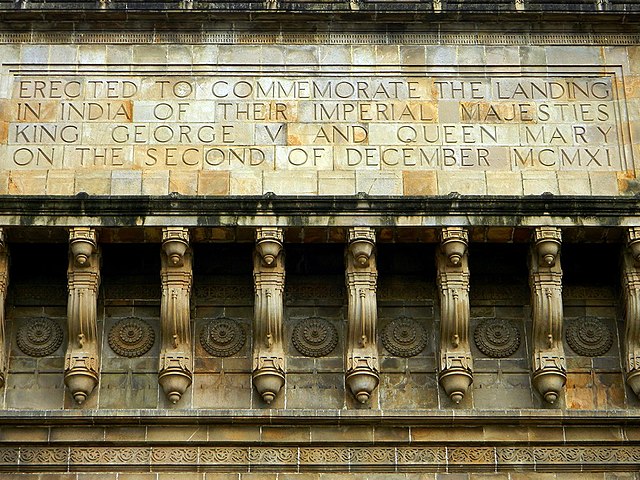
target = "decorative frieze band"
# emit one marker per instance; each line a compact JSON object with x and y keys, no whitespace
{"x":339,"y":458}
{"x":215,"y":38}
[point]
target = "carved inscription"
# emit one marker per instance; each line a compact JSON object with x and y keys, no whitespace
{"x":323,"y":122}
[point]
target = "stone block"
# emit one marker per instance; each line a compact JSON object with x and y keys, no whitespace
{"x":504,"y":183}
{"x":183,"y":182}
{"x":298,"y":435}
{"x":63,"y":53}
{"x":379,"y":183}
{"x":30,"y":53}
{"x":155,"y":182}
{"x":318,"y":390}
{"x":408,"y":391}
{"x":336,"y":183}
{"x":464,"y":183}
{"x":138,"y":390}
{"x":229,"y":389}
{"x":119,"y":54}
{"x":363,"y":54}
{"x":27,"y":182}
{"x":573,"y":183}
{"x":420,"y":183}
{"x":302,"y":183}
{"x":60,"y":182}
{"x":146,"y":54}
{"x":245,"y":183}
{"x":234,"y":433}
{"x":96,"y":182}
{"x":44,"y":391}
{"x":90,"y":54}
{"x":127,"y":182}
{"x":604,"y":183}
{"x":321,"y":434}
{"x":196,"y":433}
{"x":537,"y":183}
{"x":213,"y":183}
{"x":76,"y":434}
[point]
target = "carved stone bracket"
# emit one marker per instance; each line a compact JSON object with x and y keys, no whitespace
{"x":176,"y":362}
{"x":268,"y":348}
{"x":82,"y":358}
{"x":455,"y":361}
{"x":4,"y":283}
{"x":631,"y":284}
{"x":362,"y":276}
{"x":545,"y":278}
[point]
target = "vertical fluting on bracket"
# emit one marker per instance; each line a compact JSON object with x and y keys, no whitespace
{"x":268,"y":277}
{"x":4,"y":284}
{"x":545,"y":278}
{"x":631,"y":285}
{"x":361,"y":278}
{"x":455,"y":361}
{"x":176,"y":360}
{"x":82,"y":359}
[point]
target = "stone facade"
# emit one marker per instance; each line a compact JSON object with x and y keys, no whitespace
{"x":319,"y":240}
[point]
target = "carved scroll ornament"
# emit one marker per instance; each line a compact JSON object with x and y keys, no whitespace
{"x":176,"y":362}
{"x":545,"y":278}
{"x":82,"y":357}
{"x":362,"y":351}
{"x":631,"y":285}
{"x":455,"y":361}
{"x":268,"y":347}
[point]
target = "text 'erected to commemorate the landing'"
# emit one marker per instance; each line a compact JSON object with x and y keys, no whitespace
{"x":321,"y":122}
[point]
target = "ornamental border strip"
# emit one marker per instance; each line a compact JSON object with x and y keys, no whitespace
{"x":231,"y":38}
{"x":339,"y":458}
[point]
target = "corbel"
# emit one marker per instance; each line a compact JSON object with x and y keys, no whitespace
{"x":455,"y":361}
{"x":268,"y":348}
{"x":176,"y":360}
{"x":631,"y":285}
{"x":4,"y":284}
{"x":361,"y":277}
{"x":545,"y":278}
{"x":82,"y":359}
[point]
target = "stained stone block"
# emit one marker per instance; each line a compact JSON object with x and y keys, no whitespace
{"x":408,"y":391}
{"x":155,"y":182}
{"x":27,"y":183}
{"x":213,"y":183}
{"x":60,"y":182}
{"x":317,"y":390}
{"x":230,"y":390}
{"x":419,"y":183}
{"x":504,"y":391}
{"x":128,"y":390}
{"x":185,"y":183}
{"x":92,"y":54}
{"x":31,"y":391}
{"x":94,"y":182}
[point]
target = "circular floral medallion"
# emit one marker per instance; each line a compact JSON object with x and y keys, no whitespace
{"x":315,"y":337}
{"x":589,"y":336}
{"x":131,"y":337}
{"x":497,"y":337}
{"x":222,"y":337}
{"x":39,"y":337}
{"x":404,"y":337}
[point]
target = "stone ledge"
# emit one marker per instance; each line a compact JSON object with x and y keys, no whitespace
{"x":189,"y":211}
{"x":319,"y":417}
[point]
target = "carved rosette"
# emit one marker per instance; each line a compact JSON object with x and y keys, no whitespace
{"x":131,"y":337}
{"x":176,"y":363}
{"x":268,"y":348}
{"x":455,"y":361}
{"x":362,"y":277}
{"x":631,"y":286}
{"x":497,"y":337}
{"x":404,"y":337}
{"x":545,"y":278}
{"x":222,"y":337}
{"x":315,"y":337}
{"x":82,"y":357}
{"x":39,"y":337}
{"x":4,"y":283}
{"x":589,"y":336}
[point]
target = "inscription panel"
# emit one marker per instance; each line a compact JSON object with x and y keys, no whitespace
{"x":321,"y":122}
